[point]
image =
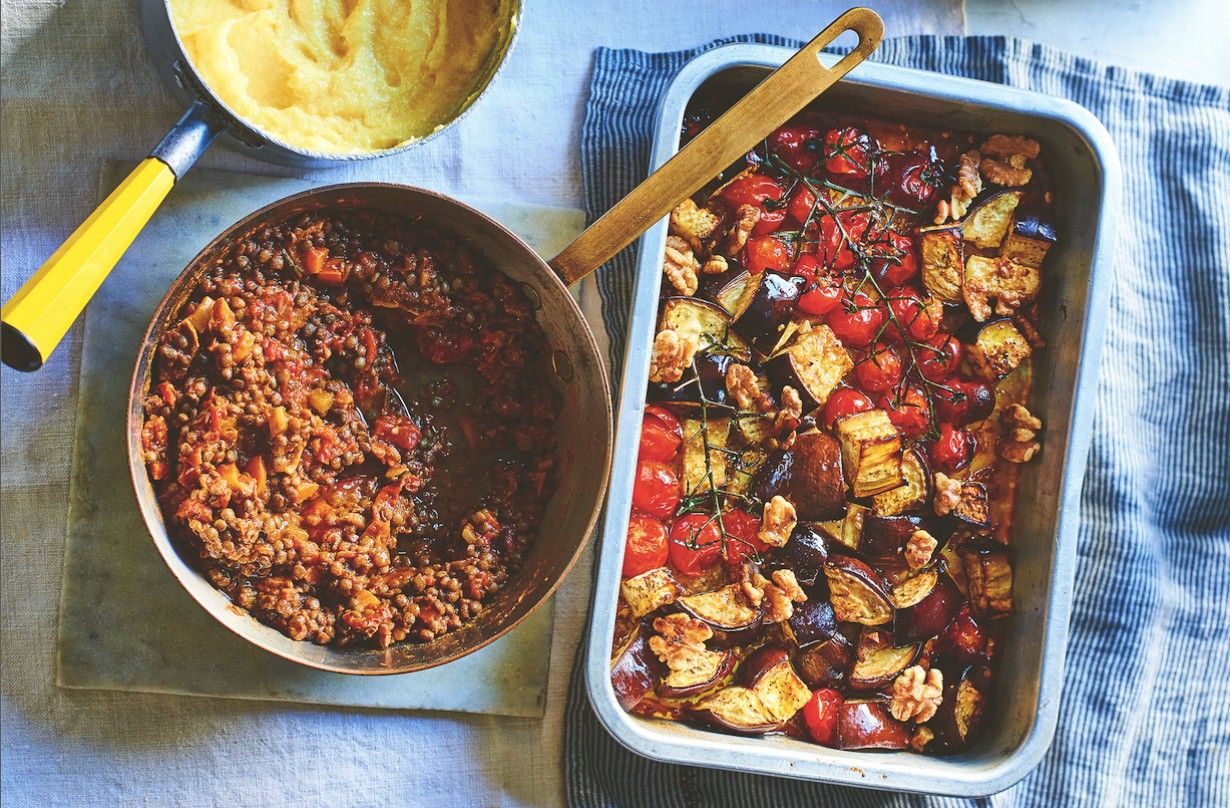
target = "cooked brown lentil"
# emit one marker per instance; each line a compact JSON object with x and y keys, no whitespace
{"x":351,"y":428}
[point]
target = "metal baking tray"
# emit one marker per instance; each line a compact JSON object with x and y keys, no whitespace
{"x":1029,"y":678}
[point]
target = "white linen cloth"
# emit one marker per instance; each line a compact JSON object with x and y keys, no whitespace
{"x":76,"y":87}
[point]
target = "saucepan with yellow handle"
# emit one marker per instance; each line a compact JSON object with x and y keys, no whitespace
{"x":38,"y":316}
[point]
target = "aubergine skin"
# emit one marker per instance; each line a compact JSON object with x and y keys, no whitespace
{"x":869,"y":725}
{"x":813,"y":621}
{"x":884,"y":536}
{"x":929,"y":616}
{"x":760,"y":663}
{"x":805,"y":555}
{"x":770,"y":310}
{"x":827,"y":663}
{"x":945,"y":723}
{"x":635,"y":671}
{"x":809,"y":474}
{"x":668,"y":692}
{"x":711,"y":373}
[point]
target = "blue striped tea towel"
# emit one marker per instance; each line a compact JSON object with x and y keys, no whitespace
{"x":1146,"y":704}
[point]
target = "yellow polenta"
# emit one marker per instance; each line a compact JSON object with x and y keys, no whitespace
{"x":343,"y":76}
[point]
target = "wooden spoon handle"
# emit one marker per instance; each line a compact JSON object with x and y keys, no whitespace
{"x":769,"y":105}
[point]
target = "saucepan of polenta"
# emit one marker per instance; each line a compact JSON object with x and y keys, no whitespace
{"x":309,"y":83}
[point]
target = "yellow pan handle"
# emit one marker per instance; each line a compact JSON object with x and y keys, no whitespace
{"x":40,"y":314}
{"x":43,"y":310}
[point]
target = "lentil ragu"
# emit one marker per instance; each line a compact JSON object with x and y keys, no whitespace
{"x":351,"y":429}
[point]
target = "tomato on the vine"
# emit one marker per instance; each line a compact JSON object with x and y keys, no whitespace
{"x":797,"y":145}
{"x":895,"y":259}
{"x":802,"y":202}
{"x":847,"y":154}
{"x":761,"y":192}
{"x":821,"y":298}
{"x":939,"y":357}
{"x":766,"y":252}
{"x":820,"y":715}
{"x":742,"y":536}
{"x":658,"y":442}
{"x":656,"y":491}
{"x":837,"y":236}
{"x":646,"y":547}
{"x":807,"y":267}
{"x":918,"y":315}
{"x":880,"y":370}
{"x":952,"y":450}
{"x":842,"y":402}
{"x":912,"y":178}
{"x":695,"y":543}
{"x":909,"y":410}
{"x":857,"y":321}
{"x":963,"y":401}
{"x":664,"y":417}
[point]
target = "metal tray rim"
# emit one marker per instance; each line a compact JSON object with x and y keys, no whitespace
{"x":895,"y":771}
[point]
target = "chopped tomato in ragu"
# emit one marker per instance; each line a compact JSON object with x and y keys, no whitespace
{"x":821,"y":521}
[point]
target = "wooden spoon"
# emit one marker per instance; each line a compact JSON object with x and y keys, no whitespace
{"x":770,"y":104}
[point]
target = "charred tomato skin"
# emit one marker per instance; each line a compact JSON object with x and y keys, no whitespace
{"x":845,"y":401}
{"x":646,"y":545}
{"x":700,"y":531}
{"x":762,"y":192}
{"x":952,"y":450}
{"x":820,"y":715}
{"x":965,"y":401}
{"x":896,"y":259}
{"x":766,"y":253}
{"x":658,"y":442}
{"x":880,"y":370}
{"x":848,"y":154}
{"x":797,"y":145}
{"x":857,"y":320}
{"x":656,"y":491}
{"x":909,"y":411}
{"x":940,"y":357}
{"x":743,"y":542}
{"x":912,"y":179}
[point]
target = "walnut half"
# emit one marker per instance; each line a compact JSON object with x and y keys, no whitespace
{"x":778,"y":522}
{"x":681,"y":266}
{"x":672,"y":353}
{"x":1020,"y":439}
{"x":917,"y":694}
{"x":679,"y":639}
{"x":919,"y":549}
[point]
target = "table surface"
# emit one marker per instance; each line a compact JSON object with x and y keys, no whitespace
{"x":76,"y":89}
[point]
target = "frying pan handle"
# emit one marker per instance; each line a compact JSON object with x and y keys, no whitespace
{"x":37,"y":317}
{"x":766,"y":107}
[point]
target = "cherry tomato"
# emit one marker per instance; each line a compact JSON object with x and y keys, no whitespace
{"x":835,"y":236}
{"x":807,"y":267}
{"x":964,"y":402}
{"x":657,"y":488}
{"x":695,"y":543}
{"x":820,"y":715}
{"x":857,"y":321}
{"x":912,"y":178}
{"x":801,"y":203}
{"x":797,"y":145}
{"x":664,"y":417}
{"x":842,"y":402}
{"x":952,"y":450}
{"x":646,"y":548}
{"x":940,"y":357}
{"x":742,"y":539}
{"x":896,"y":260}
{"x":963,"y":638}
{"x":847,"y":154}
{"x":762,"y":192}
{"x":909,"y":412}
{"x":919,"y":315}
{"x":821,"y":299}
{"x":879,"y":370}
{"x":397,"y":430}
{"x":766,"y":252}
{"x":657,"y":441}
